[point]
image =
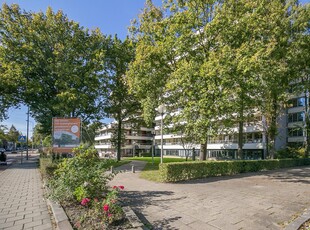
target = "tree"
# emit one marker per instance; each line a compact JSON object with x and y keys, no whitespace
{"x":13,"y":134}
{"x":55,"y":64}
{"x":214,"y":62}
{"x":174,"y":64}
{"x":89,"y":132}
{"x":299,"y":60}
{"x":122,"y":105}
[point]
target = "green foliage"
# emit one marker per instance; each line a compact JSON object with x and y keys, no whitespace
{"x":80,"y":193}
{"x":291,"y":153}
{"x":80,"y":176}
{"x":146,"y":154}
{"x":122,"y":105}
{"x":47,"y":142}
{"x":46,"y":61}
{"x":215,"y":59}
{"x":173,"y":172}
{"x":47,"y":167}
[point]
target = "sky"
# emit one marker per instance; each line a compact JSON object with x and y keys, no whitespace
{"x":110,"y":16}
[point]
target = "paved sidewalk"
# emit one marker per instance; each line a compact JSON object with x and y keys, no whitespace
{"x":21,"y":197}
{"x":265,"y":200}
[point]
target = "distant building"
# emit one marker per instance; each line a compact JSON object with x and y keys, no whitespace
{"x":291,"y":133}
{"x":136,"y":141}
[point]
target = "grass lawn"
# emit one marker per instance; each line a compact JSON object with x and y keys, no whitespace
{"x":151,"y":171}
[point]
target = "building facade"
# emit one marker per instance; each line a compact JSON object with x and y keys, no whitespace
{"x":291,"y":132}
{"x":136,"y":141}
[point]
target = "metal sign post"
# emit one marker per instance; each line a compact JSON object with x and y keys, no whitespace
{"x":21,"y":139}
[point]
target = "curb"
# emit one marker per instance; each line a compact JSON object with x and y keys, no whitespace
{"x":61,"y":219}
{"x":133,"y":218}
{"x":299,"y":221}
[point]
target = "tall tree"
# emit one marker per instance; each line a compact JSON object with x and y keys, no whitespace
{"x":56,"y":64}
{"x":299,"y":59}
{"x":174,"y":65}
{"x":122,"y":105}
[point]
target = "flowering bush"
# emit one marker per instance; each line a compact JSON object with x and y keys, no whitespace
{"x":106,"y":209}
{"x":79,"y":177}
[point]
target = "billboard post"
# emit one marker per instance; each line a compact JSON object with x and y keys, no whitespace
{"x":66,"y":134}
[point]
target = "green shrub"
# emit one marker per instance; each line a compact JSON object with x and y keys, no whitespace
{"x":179,"y":171}
{"x":291,"y":153}
{"x":79,"y":177}
{"x":47,"y":167}
{"x":145,"y":154}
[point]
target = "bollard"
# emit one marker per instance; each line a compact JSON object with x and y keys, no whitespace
{"x":112,"y":169}
{"x":133,"y":169}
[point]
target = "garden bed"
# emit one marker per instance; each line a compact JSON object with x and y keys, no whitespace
{"x":79,"y":218}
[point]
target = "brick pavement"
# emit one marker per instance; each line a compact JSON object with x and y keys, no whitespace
{"x":22,"y":205}
{"x":265,"y":200}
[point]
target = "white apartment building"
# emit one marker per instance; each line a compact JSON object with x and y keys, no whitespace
{"x":136,"y":141}
{"x":296,"y":111}
{"x":223,"y":146}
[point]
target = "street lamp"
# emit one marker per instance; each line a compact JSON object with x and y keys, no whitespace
{"x":161,"y":109}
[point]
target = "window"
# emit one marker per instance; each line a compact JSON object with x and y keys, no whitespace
{"x":295,"y":117}
{"x":297,"y":102}
{"x":295,"y":132}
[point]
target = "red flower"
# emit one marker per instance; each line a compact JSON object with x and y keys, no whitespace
{"x":106,"y":207}
{"x":121,"y":187}
{"x":85,"y":201}
{"x":114,"y":187}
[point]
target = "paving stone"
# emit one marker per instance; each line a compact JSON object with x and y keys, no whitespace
{"x":7,"y":224}
{"x":22,"y":199}
{"x":15,"y":218}
{"x":44,"y":226}
{"x":33,"y":224}
{"x":15,"y":227}
{"x":246,"y":201}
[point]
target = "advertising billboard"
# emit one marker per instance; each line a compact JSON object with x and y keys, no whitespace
{"x":66,"y":134}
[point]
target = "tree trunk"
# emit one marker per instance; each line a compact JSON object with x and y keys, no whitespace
{"x":119,"y":139}
{"x":273,"y":128}
{"x":240,"y":135}
{"x":307,"y":126}
{"x":203,"y":151}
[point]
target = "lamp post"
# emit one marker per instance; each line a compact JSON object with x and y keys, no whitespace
{"x":153,"y":145}
{"x":161,"y":109}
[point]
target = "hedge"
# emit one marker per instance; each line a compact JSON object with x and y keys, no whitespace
{"x":180,"y":171}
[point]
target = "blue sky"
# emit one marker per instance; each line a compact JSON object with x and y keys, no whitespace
{"x":111,"y":16}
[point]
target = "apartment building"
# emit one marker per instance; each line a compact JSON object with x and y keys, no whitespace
{"x":136,"y":141}
{"x":222,"y":146}
{"x":296,"y":111}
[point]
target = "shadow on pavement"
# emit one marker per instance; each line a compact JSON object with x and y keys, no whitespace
{"x":138,"y":200}
{"x":165,"y":223}
{"x":294,"y":175}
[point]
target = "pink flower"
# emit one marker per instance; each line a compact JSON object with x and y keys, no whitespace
{"x":121,"y":187}
{"x":114,"y":187}
{"x":109,"y":215}
{"x":85,"y":201}
{"x":106,"y":207}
